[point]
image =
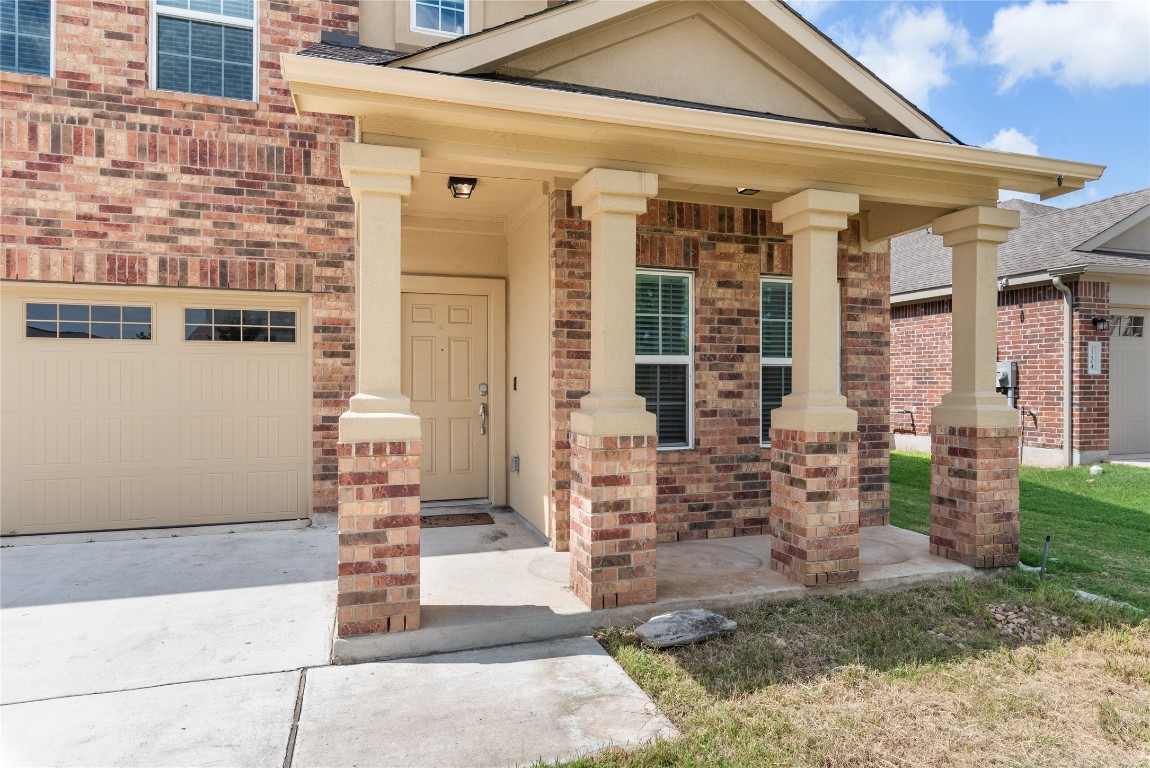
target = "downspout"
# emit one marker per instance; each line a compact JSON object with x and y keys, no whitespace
{"x":1067,"y":369}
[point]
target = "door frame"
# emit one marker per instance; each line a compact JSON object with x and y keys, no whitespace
{"x":495,"y":289}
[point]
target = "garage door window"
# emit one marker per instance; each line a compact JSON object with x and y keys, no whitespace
{"x":1130,"y":326}
{"x":87,"y":321}
{"x":253,"y":325}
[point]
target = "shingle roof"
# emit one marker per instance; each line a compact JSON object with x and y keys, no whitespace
{"x":1046,"y":240}
{"x":358,"y":54}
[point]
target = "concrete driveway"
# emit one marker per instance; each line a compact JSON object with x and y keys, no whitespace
{"x":209,"y":647}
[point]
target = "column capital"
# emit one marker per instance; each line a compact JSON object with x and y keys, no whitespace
{"x":605,"y":190}
{"x":378,"y":169}
{"x":979,"y":223}
{"x":815,"y":209}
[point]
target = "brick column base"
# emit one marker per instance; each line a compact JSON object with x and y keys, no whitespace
{"x":974,"y":495}
{"x":815,"y":506}
{"x":613,"y":520}
{"x":378,"y":538}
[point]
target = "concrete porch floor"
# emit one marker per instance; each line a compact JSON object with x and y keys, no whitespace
{"x":490,"y":585}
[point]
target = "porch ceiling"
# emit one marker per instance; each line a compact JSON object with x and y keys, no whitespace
{"x":528,"y":134}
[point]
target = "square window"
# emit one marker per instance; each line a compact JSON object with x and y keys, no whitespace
{"x":26,"y":36}
{"x":213,"y":56}
{"x":447,"y":17}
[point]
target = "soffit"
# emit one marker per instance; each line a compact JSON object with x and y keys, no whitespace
{"x":758,"y":56}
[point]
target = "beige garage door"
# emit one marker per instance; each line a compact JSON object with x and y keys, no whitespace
{"x":1129,"y":373}
{"x":143,"y":408}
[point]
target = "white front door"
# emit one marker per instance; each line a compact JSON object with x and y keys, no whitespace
{"x":445,"y":373}
{"x":1129,"y":373}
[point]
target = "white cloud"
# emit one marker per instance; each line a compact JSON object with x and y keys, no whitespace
{"x":912,"y":49}
{"x":1080,"y":43}
{"x":1012,"y":140}
{"x":810,"y":9}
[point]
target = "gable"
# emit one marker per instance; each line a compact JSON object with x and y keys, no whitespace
{"x":1131,"y":235}
{"x":753,"y":55}
{"x":690,"y":52}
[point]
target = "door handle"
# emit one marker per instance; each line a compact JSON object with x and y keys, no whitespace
{"x":483,"y":418}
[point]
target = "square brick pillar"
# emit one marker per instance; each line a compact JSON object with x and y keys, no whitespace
{"x":378,"y":583}
{"x":974,"y":494}
{"x":815,"y":506}
{"x":613,"y":519}
{"x":814,"y":435}
{"x":974,"y":433}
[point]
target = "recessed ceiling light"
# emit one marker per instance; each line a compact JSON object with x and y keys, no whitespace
{"x":747,"y":191}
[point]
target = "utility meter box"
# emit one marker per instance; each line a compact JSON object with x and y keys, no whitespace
{"x":1007,"y":374}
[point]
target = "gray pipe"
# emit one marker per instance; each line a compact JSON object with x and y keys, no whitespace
{"x":1067,"y":369}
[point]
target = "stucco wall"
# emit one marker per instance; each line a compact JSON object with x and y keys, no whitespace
{"x":432,"y":246}
{"x":528,"y":430}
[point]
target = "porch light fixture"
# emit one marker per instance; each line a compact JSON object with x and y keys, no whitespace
{"x":1101,"y":323}
{"x":461,"y":187}
{"x":747,"y":191}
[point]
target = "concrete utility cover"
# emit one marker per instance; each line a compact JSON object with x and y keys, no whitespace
{"x":684,"y":628}
{"x":497,"y":707}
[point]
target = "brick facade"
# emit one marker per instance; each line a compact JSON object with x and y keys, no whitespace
{"x":815,"y":506}
{"x":378,"y":582}
{"x":974,"y":495}
{"x":612,"y":525}
{"x":108,"y":181}
{"x":1030,"y":333}
{"x":721,"y":486}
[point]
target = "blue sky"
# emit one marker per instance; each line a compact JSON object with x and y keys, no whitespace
{"x":1069,"y":80}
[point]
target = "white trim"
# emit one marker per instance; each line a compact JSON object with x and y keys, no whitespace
{"x":155,"y":10}
{"x":439,"y":32}
{"x":688,"y":359}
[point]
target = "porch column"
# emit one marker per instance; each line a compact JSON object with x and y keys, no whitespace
{"x":974,"y":433}
{"x":379,"y":436}
{"x":814,"y":436}
{"x":613,"y":437}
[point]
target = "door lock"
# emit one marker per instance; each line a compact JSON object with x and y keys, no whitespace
{"x":483,"y":389}
{"x":483,"y":418}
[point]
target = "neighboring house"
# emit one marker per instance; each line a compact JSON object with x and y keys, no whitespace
{"x":635,"y":294}
{"x":1085,"y":270}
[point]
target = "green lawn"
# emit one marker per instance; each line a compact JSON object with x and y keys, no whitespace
{"x":1099,"y":527}
{"x":925,"y":676}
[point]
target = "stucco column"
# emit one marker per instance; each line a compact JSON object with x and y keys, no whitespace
{"x":379,"y":178}
{"x":974,"y":433}
{"x":613,"y":440}
{"x":814,"y":435}
{"x":379,"y":437}
{"x":814,"y":218}
{"x":973,"y":235}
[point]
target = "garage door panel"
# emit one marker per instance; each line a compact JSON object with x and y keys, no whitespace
{"x":105,"y":434}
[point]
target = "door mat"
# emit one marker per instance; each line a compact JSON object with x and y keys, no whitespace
{"x":451,"y":521}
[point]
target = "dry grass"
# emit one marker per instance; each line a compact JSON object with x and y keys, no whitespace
{"x":921,"y":678}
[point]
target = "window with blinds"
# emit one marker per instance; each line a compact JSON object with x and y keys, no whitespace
{"x":663,"y":369}
{"x":205,"y":47}
{"x":26,"y":36}
{"x":775,"y":313}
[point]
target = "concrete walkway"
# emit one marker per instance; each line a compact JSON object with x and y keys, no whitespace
{"x":214,"y":647}
{"x":206,"y":647}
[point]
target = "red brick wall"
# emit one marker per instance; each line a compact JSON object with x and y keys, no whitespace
{"x":721,"y":487}
{"x":107,"y":181}
{"x":1029,"y":333}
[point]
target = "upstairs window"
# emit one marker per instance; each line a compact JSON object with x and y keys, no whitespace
{"x":775,"y":316}
{"x":663,"y":369}
{"x":26,"y":36}
{"x":205,"y":47}
{"x":442,"y":17}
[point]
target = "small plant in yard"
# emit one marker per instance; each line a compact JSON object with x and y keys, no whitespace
{"x":1006,"y":670}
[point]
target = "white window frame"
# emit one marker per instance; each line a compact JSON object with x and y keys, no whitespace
{"x":439,"y":32}
{"x":788,"y":361}
{"x":51,"y":45}
{"x":688,"y":359}
{"x":155,"y":11}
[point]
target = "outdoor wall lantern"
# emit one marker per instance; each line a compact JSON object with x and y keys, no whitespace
{"x":747,"y":191}
{"x":461,"y":187}
{"x":1101,"y":323}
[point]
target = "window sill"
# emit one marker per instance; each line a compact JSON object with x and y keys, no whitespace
{"x":19,"y":78}
{"x":199,"y":98}
{"x":674,"y":448}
